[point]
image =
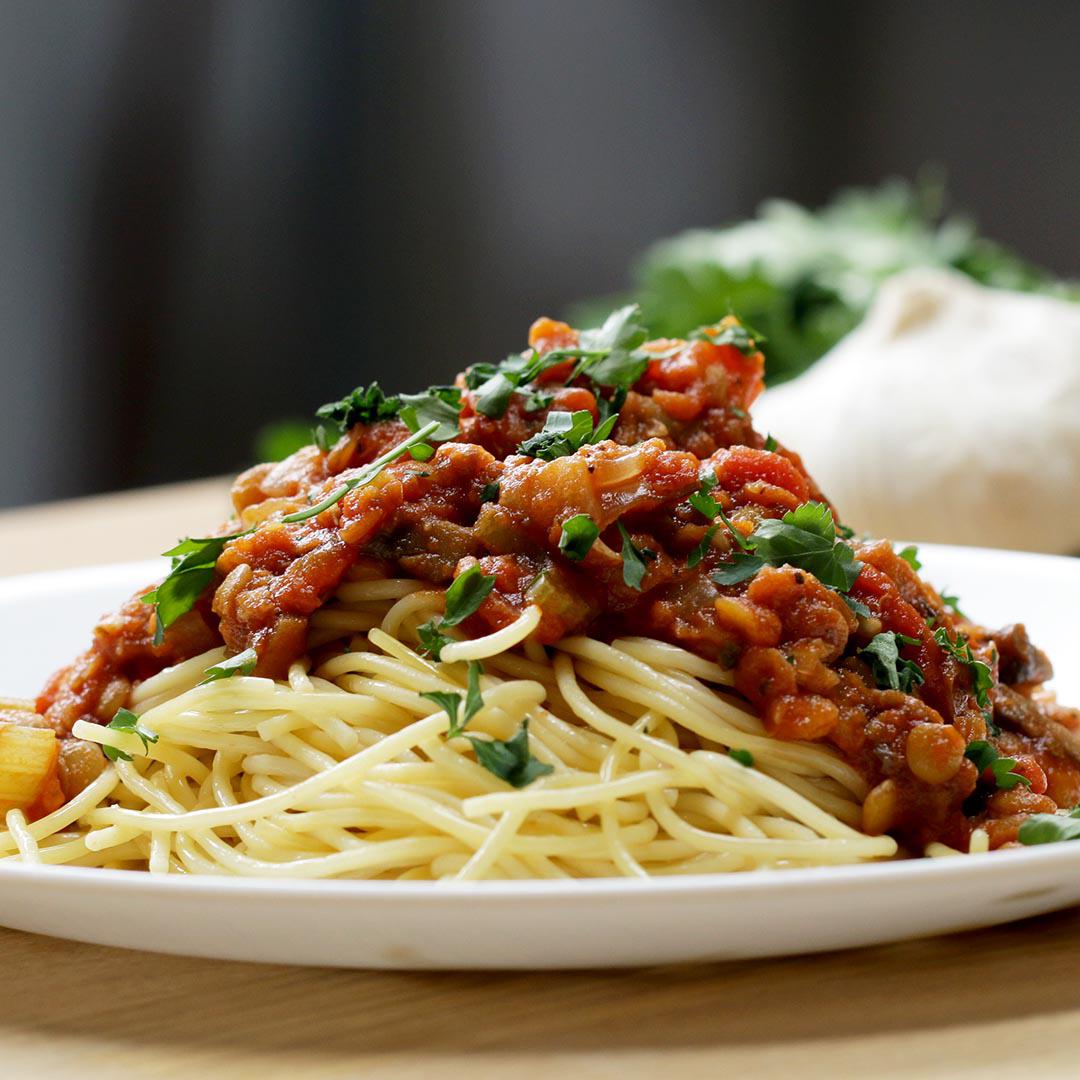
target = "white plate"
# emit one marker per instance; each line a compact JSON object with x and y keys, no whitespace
{"x":46,"y":620}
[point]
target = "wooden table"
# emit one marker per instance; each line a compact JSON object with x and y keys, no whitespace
{"x":988,"y":1003}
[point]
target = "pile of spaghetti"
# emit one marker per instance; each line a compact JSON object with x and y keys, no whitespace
{"x":572,"y":616}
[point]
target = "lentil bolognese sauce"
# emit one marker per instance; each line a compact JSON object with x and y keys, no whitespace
{"x":589,"y":538}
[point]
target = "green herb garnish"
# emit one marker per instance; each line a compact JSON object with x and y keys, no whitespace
{"x":364,"y":475}
{"x":804,"y":538}
{"x":193,"y":568}
{"x":490,"y":492}
{"x":364,"y":405}
{"x":452,"y":701}
{"x":510,"y":760}
{"x":1050,"y":828}
{"x":440,"y":405}
{"x":890,"y":670}
{"x":910,"y":555}
{"x":578,"y":535}
{"x":743,"y":757}
{"x":565,"y":433}
{"x":985,"y":756}
{"x":702,"y":548}
{"x":128,"y":722}
{"x":982,"y":678}
{"x":243,"y":663}
{"x":634,"y":559}
{"x":464,"y":596}
{"x":744,"y":338}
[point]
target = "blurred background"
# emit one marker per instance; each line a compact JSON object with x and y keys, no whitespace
{"x":217,"y":214}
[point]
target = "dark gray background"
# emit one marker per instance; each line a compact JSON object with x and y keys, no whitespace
{"x":215,"y":214}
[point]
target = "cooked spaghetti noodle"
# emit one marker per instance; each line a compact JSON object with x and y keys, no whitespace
{"x":344,"y":770}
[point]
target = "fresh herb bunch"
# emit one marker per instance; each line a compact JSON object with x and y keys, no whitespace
{"x":805,"y":278}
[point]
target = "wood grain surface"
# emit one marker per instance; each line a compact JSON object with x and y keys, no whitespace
{"x":982,"y":1004}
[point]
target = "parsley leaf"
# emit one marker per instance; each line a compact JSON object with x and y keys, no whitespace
{"x":127,"y":721}
{"x":439,"y":404}
{"x":493,"y":396}
{"x":634,"y":559}
{"x":953,"y":604}
{"x":982,"y":678}
{"x":771,"y":444}
{"x":985,"y":756}
{"x":565,"y":433}
{"x":860,"y":609}
{"x":743,"y":757}
{"x":431,"y":638}
{"x":510,"y":760}
{"x":243,"y":663}
{"x":1050,"y":828}
{"x":467,"y":592}
{"x":451,"y":701}
{"x":193,"y":568}
{"x":910,"y":555}
{"x":730,"y":332}
{"x":364,"y":475}
{"x":578,"y":535}
{"x":805,"y":537}
{"x":890,"y":671}
{"x":741,"y":568}
{"x":701,"y":500}
{"x":361,"y":406}
{"x":535,"y":400}
{"x":702,"y":548}
{"x":490,"y":492}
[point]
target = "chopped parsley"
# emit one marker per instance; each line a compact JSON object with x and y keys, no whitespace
{"x":493,"y":396}
{"x":490,"y":492}
{"x":609,"y":356}
{"x":702,"y":548}
{"x":535,"y":400}
{"x":910,"y":555}
{"x":565,"y":433}
{"x":614,"y":359}
{"x":982,"y":678}
{"x":464,"y":596}
{"x":731,"y":332}
{"x":804,"y":538}
{"x":953,"y":604}
{"x":634,"y":559}
{"x":193,"y":563}
{"x":452,"y":700}
{"x":127,"y":721}
{"x":890,"y":670}
{"x":364,"y":405}
{"x":440,"y":405}
{"x":1050,"y":828}
{"x":364,"y":475}
{"x":771,"y":444}
{"x":701,"y":500}
{"x":743,"y":757}
{"x":243,"y":663}
{"x":510,"y":760}
{"x":578,"y":535}
{"x":985,"y":756}
{"x":857,"y":606}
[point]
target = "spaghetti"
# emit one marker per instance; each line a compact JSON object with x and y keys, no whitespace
{"x":343,"y":769}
